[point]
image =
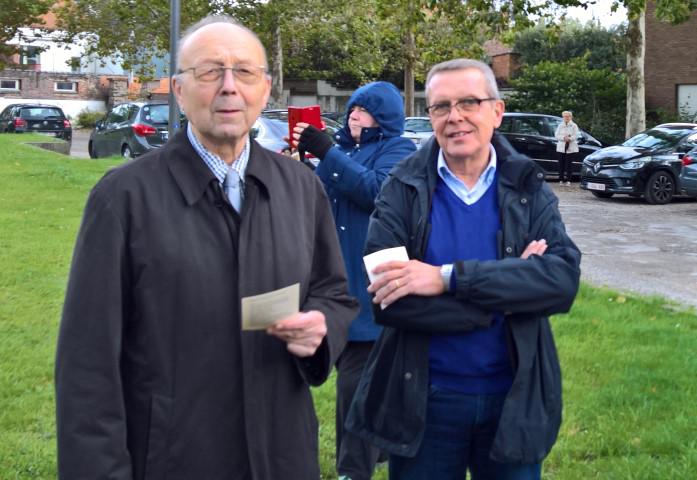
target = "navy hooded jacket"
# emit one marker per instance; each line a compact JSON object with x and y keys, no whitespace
{"x":352,"y":175}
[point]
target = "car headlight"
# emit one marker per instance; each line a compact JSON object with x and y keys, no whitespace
{"x":635,"y":164}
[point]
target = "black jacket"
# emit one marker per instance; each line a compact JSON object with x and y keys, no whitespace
{"x":390,"y":404}
{"x":154,"y":378}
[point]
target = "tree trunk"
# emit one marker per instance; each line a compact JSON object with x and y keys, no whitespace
{"x":409,"y":73}
{"x":276,"y":100}
{"x":636,"y":47}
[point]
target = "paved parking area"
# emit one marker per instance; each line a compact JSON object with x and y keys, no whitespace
{"x":78,"y":147}
{"x":629,"y":245}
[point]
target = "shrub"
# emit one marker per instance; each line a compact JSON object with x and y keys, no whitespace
{"x":88,"y":119}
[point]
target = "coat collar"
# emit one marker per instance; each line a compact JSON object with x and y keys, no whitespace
{"x":193,"y":176}
{"x":514,"y":170}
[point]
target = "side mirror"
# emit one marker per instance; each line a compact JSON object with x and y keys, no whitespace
{"x":581,"y":139}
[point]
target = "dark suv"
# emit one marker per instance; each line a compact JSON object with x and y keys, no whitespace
{"x":130,"y":129}
{"x":648,"y":164}
{"x":532,"y":134}
{"x":35,"y":117}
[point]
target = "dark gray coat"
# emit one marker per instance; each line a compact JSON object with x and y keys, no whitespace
{"x":390,"y":404}
{"x":154,"y":378}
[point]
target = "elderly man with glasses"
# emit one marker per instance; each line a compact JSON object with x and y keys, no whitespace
{"x":155,"y":377}
{"x":465,"y":376}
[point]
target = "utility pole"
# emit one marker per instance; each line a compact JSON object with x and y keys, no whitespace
{"x":173,"y":39}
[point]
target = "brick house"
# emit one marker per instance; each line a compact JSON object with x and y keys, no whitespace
{"x":670,"y":68}
{"x":503,"y":61}
{"x":46,"y":72}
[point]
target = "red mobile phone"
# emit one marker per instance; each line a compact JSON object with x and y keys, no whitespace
{"x":303,"y":114}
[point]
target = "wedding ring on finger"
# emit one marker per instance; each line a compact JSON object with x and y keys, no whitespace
{"x":396,"y":282}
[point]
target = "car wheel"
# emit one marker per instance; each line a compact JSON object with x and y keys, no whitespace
{"x":90,"y":150}
{"x":602,"y":194}
{"x":126,"y":152}
{"x":659,"y":188}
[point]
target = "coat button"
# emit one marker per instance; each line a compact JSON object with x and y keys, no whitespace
{"x":540,"y":175}
{"x":407,"y":376}
{"x":523,"y":201}
{"x":509,"y":250}
{"x":342,"y":227}
{"x":335,"y":175}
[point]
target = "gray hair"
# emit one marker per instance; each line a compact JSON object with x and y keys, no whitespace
{"x":210,"y":20}
{"x":565,"y":112}
{"x":464,"y":64}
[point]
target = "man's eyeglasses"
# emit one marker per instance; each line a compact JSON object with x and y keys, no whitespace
{"x":464,"y":105}
{"x":248,"y":74}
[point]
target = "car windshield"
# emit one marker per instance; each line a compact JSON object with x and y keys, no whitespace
{"x":41,"y":112}
{"x":659,"y":137}
{"x":156,"y":113}
{"x":418,"y":125}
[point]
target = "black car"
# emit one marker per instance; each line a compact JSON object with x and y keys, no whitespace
{"x":130,"y":129}
{"x":648,"y":164}
{"x":532,"y":134}
{"x":38,"y":118}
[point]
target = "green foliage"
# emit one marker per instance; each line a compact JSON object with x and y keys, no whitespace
{"x":88,"y":119}
{"x":559,"y":43}
{"x":14,"y":15}
{"x":628,"y":362}
{"x":131,"y":32}
{"x":596,"y":96}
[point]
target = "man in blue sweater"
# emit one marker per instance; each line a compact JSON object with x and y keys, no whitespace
{"x":465,"y":375}
{"x":352,"y":171}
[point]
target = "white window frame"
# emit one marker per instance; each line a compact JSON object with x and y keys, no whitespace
{"x":30,"y":55}
{"x":16,"y":87}
{"x":63,"y":90}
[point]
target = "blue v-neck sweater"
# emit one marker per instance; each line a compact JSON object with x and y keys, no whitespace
{"x":475,"y":362}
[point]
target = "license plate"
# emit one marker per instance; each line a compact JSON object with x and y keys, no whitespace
{"x":595,"y":186}
{"x":165,"y":135}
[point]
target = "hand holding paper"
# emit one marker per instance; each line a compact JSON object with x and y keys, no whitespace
{"x":393,"y":276}
{"x":302,"y":332}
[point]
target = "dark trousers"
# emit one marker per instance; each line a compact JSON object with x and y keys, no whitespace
{"x":460,"y":430}
{"x":355,"y":458}
{"x":565,"y":164}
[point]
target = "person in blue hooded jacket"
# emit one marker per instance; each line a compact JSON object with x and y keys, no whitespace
{"x":352,"y":171}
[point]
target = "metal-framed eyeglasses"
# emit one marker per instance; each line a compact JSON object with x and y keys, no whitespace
{"x":209,"y":73}
{"x":463,"y":105}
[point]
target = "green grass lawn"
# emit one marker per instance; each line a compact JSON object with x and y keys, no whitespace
{"x":629,"y":362}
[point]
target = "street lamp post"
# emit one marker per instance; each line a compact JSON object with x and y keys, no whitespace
{"x":173,"y":39}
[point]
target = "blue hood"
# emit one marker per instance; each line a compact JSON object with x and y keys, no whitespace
{"x":384,"y":103}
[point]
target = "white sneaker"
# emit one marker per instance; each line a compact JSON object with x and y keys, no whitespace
{"x":561,"y":182}
{"x":568,"y":184}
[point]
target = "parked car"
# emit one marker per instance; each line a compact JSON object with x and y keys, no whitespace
{"x":648,"y":164}
{"x":38,"y":118}
{"x":688,"y":174}
{"x":272,"y":126}
{"x":130,"y":129}
{"x":338,"y":117}
{"x":532,"y":134}
{"x":418,"y":130}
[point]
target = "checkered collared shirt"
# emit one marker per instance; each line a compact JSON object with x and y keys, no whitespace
{"x":215,"y":163}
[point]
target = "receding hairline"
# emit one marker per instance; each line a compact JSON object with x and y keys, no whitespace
{"x":191,"y":32}
{"x":460,"y":64}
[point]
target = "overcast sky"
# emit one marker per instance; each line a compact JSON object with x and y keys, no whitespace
{"x":600,"y":11}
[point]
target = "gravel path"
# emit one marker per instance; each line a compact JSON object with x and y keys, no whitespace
{"x":629,"y":245}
